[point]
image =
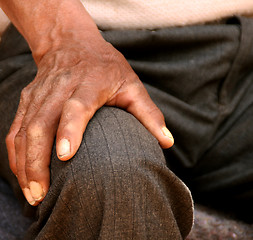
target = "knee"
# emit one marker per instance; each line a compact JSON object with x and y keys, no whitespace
{"x":115,"y":146}
{"x":120,"y":168}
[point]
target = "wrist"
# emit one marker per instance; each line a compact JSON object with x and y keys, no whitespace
{"x":47,"y":25}
{"x":64,"y":37}
{"x":71,"y":26}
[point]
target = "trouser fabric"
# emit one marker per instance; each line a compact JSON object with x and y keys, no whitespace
{"x":117,"y":186}
{"x":201,"y":78}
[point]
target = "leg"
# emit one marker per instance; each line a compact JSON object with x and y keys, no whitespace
{"x":117,"y":185}
{"x":13,"y":224}
{"x":201,"y":78}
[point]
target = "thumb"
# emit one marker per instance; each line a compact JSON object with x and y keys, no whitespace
{"x":136,"y":100}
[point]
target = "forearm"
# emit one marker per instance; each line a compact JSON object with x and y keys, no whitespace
{"x":47,"y":24}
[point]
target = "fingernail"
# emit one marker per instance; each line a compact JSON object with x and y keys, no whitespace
{"x":36,"y":190}
{"x":167,"y":133}
{"x":64,"y":148}
{"x":28,"y":196}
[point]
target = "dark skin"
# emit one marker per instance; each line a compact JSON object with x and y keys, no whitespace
{"x":78,"y":72}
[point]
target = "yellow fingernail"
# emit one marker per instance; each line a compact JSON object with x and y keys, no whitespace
{"x":167,"y":133}
{"x":28,"y":196}
{"x":64,"y":148}
{"x":36,"y":190}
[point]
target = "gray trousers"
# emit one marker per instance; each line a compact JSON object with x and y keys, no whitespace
{"x":119,"y":185}
{"x":201,"y":77}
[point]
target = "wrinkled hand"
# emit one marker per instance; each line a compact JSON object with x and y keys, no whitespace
{"x":72,"y":83}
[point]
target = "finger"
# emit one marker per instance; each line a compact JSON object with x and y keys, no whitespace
{"x":76,"y":113}
{"x":14,"y":129}
{"x":20,"y":148}
{"x":40,"y":135}
{"x":152,"y":118}
{"x":136,"y":100}
{"x":16,"y":140}
{"x":10,"y":138}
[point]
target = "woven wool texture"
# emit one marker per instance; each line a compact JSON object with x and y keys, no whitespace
{"x":143,"y":14}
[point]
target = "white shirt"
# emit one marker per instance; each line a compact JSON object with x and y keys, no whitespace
{"x":154,"y":14}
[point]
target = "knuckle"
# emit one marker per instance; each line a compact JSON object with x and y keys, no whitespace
{"x":34,"y":168}
{"x":24,"y":94}
{"x":155,"y":111}
{"x":33,"y":164}
{"x":36,"y":129}
{"x":19,"y":136}
{"x":135,"y":88}
{"x":75,"y":103}
{"x":30,"y":168}
{"x":133,"y":80}
{"x":76,"y":108}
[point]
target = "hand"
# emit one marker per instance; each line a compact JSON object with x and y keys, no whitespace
{"x":72,"y":83}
